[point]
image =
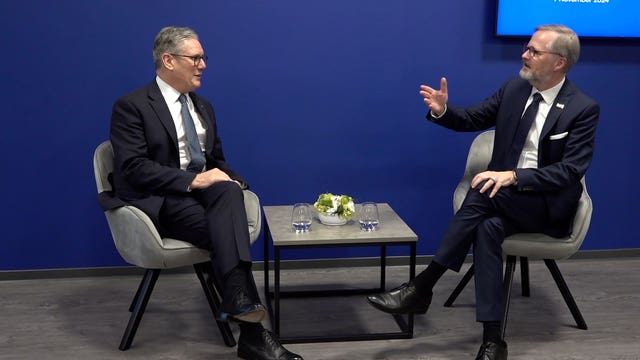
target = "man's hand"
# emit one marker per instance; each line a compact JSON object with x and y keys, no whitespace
{"x":208,"y":178}
{"x":436,"y":100}
{"x":494,"y":180}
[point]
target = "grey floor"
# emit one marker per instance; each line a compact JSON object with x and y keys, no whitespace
{"x":83,"y":318}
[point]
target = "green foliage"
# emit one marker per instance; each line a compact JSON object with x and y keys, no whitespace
{"x":330,"y":204}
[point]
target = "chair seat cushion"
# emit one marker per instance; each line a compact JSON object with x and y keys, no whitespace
{"x":540,"y":246}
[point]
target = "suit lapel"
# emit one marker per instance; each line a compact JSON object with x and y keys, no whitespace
{"x":518,"y":109}
{"x":157,"y":103}
{"x":558,"y":106}
{"x":201,"y":109}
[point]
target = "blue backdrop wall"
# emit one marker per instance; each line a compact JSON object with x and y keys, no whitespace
{"x":311,"y":96}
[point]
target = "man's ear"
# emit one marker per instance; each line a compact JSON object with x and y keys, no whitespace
{"x":560,"y":64}
{"x":168,"y":61}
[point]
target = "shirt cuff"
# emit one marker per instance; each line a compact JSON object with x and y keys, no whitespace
{"x":441,"y":115}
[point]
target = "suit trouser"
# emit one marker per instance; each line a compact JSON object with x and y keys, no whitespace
{"x":483,"y":223}
{"x":214,"y":219}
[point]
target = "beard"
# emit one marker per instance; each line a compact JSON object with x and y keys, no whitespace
{"x":527,"y":74}
{"x":533,"y":78}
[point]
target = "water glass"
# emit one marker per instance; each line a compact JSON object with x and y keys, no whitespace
{"x":301,"y":217}
{"x":368,"y":217}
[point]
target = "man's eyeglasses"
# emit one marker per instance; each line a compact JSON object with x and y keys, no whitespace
{"x":196,"y":58}
{"x":533,"y":52}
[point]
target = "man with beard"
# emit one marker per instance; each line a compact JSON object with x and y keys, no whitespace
{"x":532,"y":183}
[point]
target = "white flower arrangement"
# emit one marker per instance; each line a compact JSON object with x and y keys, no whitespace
{"x":340,"y":205}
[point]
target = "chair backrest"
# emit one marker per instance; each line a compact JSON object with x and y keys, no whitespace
{"x":477,"y":161}
{"x":531,"y":245}
{"x":136,"y":237}
{"x":103,"y":166}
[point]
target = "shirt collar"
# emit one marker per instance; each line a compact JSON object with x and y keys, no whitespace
{"x":550,"y":94}
{"x":170,"y":94}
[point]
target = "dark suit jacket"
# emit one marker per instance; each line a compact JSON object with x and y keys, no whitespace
{"x":565,"y":147}
{"x":145,"y":146}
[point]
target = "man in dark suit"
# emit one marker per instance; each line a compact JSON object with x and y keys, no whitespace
{"x":168,"y":161}
{"x":531,"y":185}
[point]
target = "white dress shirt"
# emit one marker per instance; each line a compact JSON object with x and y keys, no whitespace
{"x":171,"y":96}
{"x":529,"y":156}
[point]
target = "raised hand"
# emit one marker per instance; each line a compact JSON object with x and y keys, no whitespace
{"x":436,"y":100}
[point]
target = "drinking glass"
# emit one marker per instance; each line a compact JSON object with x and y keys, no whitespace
{"x":368,"y":217}
{"x":301,"y":217}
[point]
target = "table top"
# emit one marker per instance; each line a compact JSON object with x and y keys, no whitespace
{"x":391,"y":229}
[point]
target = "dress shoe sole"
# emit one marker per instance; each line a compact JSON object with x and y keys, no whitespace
{"x":246,"y":355}
{"x":422,"y":310}
{"x":253,"y":356}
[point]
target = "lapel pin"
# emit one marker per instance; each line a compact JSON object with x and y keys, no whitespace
{"x":560,"y":106}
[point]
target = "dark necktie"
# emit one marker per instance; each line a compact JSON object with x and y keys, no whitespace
{"x":524,"y":126}
{"x":193,"y":144}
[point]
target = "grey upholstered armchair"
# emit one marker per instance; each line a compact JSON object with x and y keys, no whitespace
{"x":139,"y":243}
{"x":525,"y":246}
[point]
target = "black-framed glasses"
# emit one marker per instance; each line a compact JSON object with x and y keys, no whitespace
{"x":196,"y":58}
{"x":533,"y":52}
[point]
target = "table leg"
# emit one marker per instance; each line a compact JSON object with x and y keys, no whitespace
{"x":412,"y":274}
{"x":412,"y":261}
{"x":265,"y":258}
{"x":276,"y":290}
{"x":383,"y":268}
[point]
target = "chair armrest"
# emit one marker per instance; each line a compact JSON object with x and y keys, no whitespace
{"x":254,"y":214}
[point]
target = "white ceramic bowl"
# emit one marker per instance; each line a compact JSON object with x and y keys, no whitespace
{"x":331,"y":219}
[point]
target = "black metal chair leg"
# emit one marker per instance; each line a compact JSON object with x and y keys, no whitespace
{"x":135,"y":297}
{"x":524,"y":276}
{"x":212,"y":298}
{"x":566,"y":293}
{"x":461,"y":285}
{"x":508,"y":281}
{"x":140,"y":304}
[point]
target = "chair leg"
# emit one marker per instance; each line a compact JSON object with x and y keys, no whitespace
{"x":138,"y":306}
{"x":524,"y":276}
{"x":461,"y":285}
{"x":566,"y":294}
{"x":209,"y":287}
{"x":508,"y":281}
{"x":135,"y":297}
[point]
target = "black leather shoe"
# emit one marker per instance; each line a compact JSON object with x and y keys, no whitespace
{"x":401,"y":300}
{"x":492,"y":351}
{"x":263,"y":346}
{"x":239,"y":306}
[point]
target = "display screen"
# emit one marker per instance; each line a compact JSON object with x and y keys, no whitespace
{"x":588,"y":18}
